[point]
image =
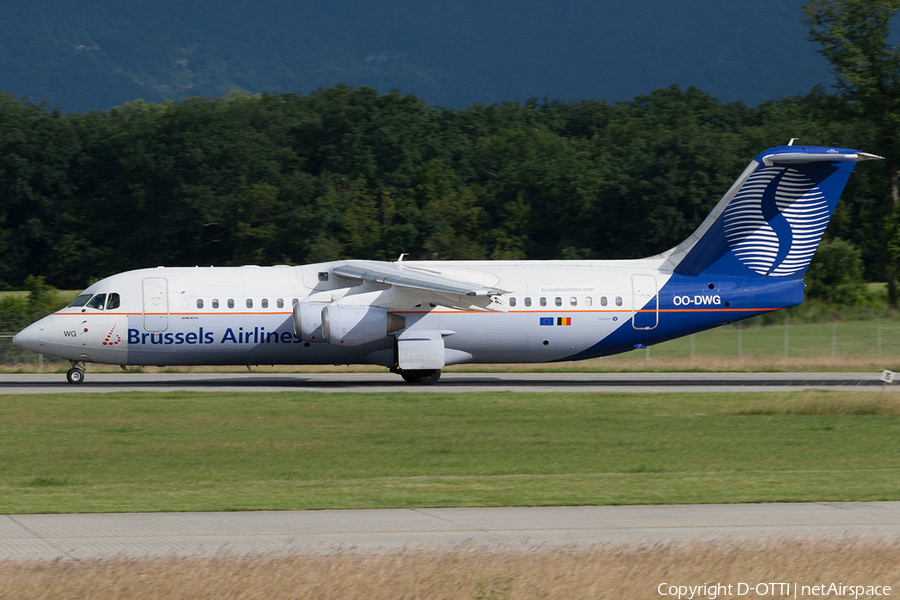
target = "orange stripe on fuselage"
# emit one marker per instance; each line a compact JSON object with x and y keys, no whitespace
{"x":425,"y":312}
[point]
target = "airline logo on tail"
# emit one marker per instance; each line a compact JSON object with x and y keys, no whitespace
{"x":771,"y":221}
{"x":776,"y":221}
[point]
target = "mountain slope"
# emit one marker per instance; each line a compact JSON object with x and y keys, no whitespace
{"x":98,"y":53}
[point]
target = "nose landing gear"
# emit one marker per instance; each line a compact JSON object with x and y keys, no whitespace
{"x":75,"y":375}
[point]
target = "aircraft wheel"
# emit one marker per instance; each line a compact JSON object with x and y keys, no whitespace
{"x":423,"y":377}
{"x":75,"y":376}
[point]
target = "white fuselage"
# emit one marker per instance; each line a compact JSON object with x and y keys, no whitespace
{"x":243,"y":315}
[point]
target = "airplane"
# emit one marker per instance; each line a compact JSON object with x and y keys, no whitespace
{"x":416,"y":317}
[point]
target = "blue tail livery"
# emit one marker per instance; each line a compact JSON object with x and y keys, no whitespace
{"x":749,"y":256}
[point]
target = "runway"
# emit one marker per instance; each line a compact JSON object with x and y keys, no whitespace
{"x":47,"y":537}
{"x":450,"y":382}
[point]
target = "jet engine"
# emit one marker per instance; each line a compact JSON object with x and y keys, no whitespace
{"x":308,"y":321}
{"x":358,"y":325}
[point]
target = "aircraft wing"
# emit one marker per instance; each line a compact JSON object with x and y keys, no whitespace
{"x":449,"y":291}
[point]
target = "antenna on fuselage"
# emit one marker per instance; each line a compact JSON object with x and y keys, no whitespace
{"x":402,"y":254}
{"x":791,"y":143}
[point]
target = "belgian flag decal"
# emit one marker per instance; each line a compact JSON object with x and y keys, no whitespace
{"x":563,"y":320}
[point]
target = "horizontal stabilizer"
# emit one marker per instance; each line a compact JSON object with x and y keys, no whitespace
{"x":800,"y":158}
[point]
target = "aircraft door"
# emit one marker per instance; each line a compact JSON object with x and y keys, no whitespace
{"x":645,"y":309}
{"x":156,"y":304}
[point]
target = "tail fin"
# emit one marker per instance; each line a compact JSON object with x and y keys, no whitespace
{"x":771,"y":220}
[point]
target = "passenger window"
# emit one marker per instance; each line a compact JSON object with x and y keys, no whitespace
{"x":512,"y":301}
{"x":588,"y":301}
{"x":295,"y":302}
{"x":265,"y":303}
{"x":230,"y":303}
{"x":558,"y":301}
{"x":618,"y":300}
{"x":602,"y":300}
{"x":527,"y":301}
{"x":573,"y":301}
{"x":199,"y":303}
{"x":97,"y":301}
{"x":249,"y":303}
{"x":215,"y":303}
{"x":280,"y":303}
{"x":113,"y":302}
{"x":543,"y":302}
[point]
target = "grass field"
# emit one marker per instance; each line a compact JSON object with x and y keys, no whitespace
{"x":202,"y":451}
{"x":63,"y":295}
{"x":847,"y":338}
{"x":464,"y":574}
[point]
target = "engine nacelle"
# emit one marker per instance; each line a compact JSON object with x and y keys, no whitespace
{"x":358,"y":325}
{"x":308,"y":321}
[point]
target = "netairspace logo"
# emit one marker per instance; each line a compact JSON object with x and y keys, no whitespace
{"x":777,"y":589}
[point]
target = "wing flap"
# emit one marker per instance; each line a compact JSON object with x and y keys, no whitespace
{"x":410,"y":277}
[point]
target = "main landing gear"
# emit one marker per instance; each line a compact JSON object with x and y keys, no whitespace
{"x":75,"y":375}
{"x":423,"y":377}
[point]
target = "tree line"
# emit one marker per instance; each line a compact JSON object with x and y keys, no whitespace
{"x":348,"y":173}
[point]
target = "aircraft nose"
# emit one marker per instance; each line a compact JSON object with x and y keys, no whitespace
{"x":29,"y":338}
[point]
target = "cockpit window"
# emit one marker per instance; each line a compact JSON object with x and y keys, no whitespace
{"x":113,"y":301}
{"x":81,"y":300}
{"x":97,"y":301}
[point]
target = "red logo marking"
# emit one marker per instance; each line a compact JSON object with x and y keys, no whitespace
{"x":109,"y":336}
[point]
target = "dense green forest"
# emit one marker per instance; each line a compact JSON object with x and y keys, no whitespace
{"x":348,"y":173}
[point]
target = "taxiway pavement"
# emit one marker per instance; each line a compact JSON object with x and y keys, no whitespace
{"x":450,"y":382}
{"x":48,"y":537}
